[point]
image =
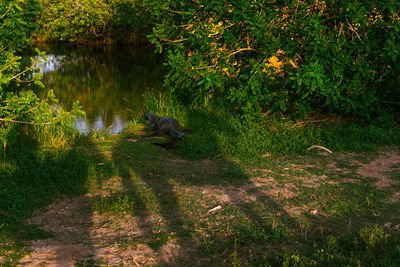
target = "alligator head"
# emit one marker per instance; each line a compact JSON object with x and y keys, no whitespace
{"x":152,"y":117}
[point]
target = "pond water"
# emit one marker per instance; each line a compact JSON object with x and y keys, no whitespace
{"x":111,"y":83}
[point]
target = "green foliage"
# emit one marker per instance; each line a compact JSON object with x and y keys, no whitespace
{"x":114,"y":205}
{"x":287,"y":56}
{"x":91,"y":19}
{"x":371,"y":246}
{"x":17,"y":20}
{"x":19,"y":107}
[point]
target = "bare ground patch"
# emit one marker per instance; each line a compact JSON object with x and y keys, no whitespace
{"x":378,"y":168}
{"x":83,"y":236}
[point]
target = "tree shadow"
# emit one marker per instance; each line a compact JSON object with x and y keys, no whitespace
{"x":173,"y":190}
{"x":32,"y":177}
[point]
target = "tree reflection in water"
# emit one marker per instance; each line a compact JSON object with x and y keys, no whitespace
{"x":109,"y":82}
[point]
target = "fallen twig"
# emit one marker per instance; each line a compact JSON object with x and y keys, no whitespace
{"x":319,"y":147}
{"x":214,"y":209}
{"x":304,"y":122}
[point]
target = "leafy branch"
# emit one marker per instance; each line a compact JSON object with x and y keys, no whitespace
{"x":8,"y":10}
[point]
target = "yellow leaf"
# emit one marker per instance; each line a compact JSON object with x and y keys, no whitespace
{"x":273,"y":60}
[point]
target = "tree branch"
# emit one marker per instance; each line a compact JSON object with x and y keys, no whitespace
{"x":30,"y":110}
{"x":26,"y":122}
{"x":245,"y":49}
{"x":8,"y":10}
{"x":173,"y":11}
{"x":353,"y":30}
{"x":175,"y":41}
{"x":31,"y":67}
{"x":6,"y":67}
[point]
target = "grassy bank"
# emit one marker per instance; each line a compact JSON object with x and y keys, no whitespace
{"x":224,"y":134}
{"x":279,"y":204}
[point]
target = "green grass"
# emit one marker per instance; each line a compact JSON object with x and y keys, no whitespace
{"x":172,"y":191}
{"x":371,"y":246}
{"x":223,"y":134}
{"x":114,"y":205}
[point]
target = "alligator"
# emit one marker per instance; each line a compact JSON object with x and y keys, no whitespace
{"x":165,"y":125}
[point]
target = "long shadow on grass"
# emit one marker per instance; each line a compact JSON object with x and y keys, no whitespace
{"x":169,"y":186}
{"x":33,"y":177}
{"x":147,"y":182}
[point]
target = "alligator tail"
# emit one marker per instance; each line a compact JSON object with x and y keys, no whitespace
{"x":170,"y":145}
{"x":187,"y":130}
{"x":183,"y":129}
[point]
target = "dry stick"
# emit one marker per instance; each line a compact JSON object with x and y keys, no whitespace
{"x":30,"y":110}
{"x":175,"y":41}
{"x":245,"y":49}
{"x":340,"y":31}
{"x":19,"y":74}
{"x":183,"y":25}
{"x":253,"y":74}
{"x":26,"y":81}
{"x":297,"y":6}
{"x":26,"y":122}
{"x":389,"y":102}
{"x":4,"y":150}
{"x":173,"y":11}
{"x":32,"y":123}
{"x":206,"y":67}
{"x":6,"y":67}
{"x":320,"y":147}
{"x":12,"y":4}
{"x":7,"y":47}
{"x":79,"y":5}
{"x":303,"y":122}
{"x":353,"y":30}
{"x":231,"y":54}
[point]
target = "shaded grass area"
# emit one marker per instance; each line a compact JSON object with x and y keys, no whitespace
{"x":32,"y":176}
{"x":280,"y":208}
{"x":223,"y":134}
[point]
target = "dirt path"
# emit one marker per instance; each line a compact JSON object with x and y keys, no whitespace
{"x":82,"y":235}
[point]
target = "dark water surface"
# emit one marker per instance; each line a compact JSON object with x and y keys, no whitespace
{"x":111,"y":83}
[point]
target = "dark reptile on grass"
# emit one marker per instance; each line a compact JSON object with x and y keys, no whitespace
{"x":165,"y":125}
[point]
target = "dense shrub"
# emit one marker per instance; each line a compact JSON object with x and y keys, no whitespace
{"x":288,"y":56}
{"x":91,"y":19}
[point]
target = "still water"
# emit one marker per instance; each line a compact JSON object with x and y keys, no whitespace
{"x":111,"y":83}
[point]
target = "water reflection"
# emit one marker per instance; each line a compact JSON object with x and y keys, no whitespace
{"x":109,"y":82}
